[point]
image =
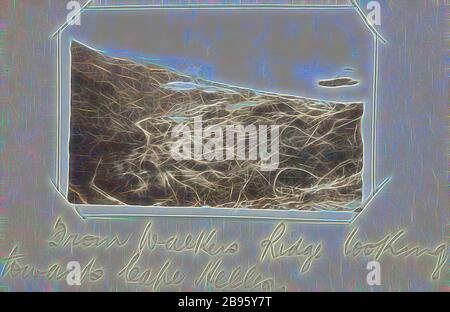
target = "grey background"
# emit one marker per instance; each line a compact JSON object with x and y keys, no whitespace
{"x":412,"y":149}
